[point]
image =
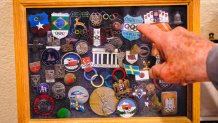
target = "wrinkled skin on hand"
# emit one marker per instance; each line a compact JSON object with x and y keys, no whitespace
{"x":184,"y":54}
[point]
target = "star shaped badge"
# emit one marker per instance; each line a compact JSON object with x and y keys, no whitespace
{"x":40,"y":26}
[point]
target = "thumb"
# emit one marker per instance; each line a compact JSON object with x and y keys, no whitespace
{"x":155,"y":71}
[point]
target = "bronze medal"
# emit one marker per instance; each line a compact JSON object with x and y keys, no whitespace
{"x":103,"y":101}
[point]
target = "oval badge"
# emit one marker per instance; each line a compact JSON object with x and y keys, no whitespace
{"x":79,"y":94}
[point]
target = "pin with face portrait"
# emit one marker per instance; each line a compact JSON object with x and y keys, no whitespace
{"x":49,"y":75}
{"x":52,"y":42}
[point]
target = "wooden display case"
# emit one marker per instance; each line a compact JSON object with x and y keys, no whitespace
{"x":21,"y":11}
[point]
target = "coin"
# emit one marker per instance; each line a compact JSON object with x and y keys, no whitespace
{"x":103,"y":101}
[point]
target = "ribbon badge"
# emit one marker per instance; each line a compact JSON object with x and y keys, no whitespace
{"x":60,"y":24}
{"x":129,"y":30}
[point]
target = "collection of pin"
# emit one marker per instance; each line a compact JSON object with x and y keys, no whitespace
{"x":88,"y":42}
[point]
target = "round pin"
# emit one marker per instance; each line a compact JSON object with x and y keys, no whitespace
{"x":63,"y":113}
{"x":43,"y":88}
{"x":50,"y":56}
{"x":103,"y":101}
{"x":43,"y":105}
{"x":58,"y":90}
{"x":126,"y":108}
{"x":79,"y":94}
{"x":69,"y":78}
{"x":71,"y":61}
{"x":82,"y":47}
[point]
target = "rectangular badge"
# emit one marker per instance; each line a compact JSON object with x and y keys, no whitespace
{"x":49,"y":76}
{"x":59,"y":71}
{"x":169,"y":102}
{"x":143,"y":75}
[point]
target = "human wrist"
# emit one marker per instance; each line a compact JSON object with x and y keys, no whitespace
{"x":212,"y":64}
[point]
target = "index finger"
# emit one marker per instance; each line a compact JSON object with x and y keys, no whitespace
{"x":152,"y":32}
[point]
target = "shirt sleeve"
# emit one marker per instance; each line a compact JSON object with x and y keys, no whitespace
{"x":212,"y":66}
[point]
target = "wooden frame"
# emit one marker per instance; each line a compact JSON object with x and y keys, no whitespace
{"x":21,"y":54}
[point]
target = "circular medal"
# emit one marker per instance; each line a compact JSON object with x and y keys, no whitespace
{"x":63,"y":113}
{"x":126,"y":108}
{"x":95,"y":19}
{"x":103,"y":101}
{"x":58,"y":90}
{"x":43,"y":105}
{"x":43,"y":88}
{"x":50,"y":56}
{"x":71,"y":61}
{"x":79,"y":94}
{"x":161,"y":85}
{"x":82,"y":47}
{"x":69,"y":78}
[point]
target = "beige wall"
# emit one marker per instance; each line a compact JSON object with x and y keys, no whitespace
{"x":8,"y":105}
{"x":8,"y":110}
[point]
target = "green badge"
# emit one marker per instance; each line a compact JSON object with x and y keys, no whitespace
{"x":60,"y":24}
{"x":63,"y":113}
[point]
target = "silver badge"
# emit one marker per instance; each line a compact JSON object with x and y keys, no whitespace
{"x":58,"y":90}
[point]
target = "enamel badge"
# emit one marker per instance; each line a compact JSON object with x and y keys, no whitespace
{"x":132,"y":69}
{"x":129,"y":30}
{"x":77,"y":106}
{"x":126,"y":108}
{"x":71,"y":61}
{"x":60,"y":24}
{"x":156,"y":17}
{"x":143,"y":75}
{"x":169,"y":102}
{"x":79,"y":94}
{"x":79,"y":24}
{"x":131,"y":58}
{"x":86,"y":64}
{"x":43,"y":88}
{"x":39,"y":24}
{"x":35,"y":67}
{"x":43,"y":105}
{"x":50,"y":56}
